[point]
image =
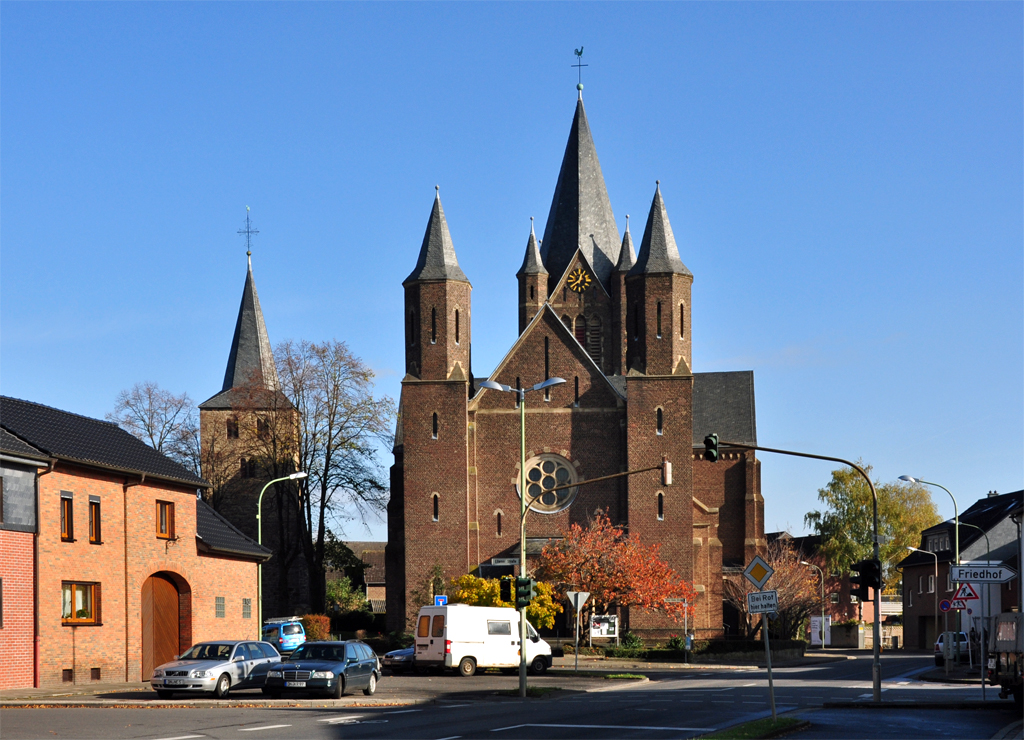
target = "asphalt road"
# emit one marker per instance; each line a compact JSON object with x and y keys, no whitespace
{"x":674,"y":704}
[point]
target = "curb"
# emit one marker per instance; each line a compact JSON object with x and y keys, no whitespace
{"x":46,"y":703}
{"x":968,"y":704}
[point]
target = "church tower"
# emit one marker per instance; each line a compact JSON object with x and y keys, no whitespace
{"x":428,"y":512}
{"x":533,"y":282}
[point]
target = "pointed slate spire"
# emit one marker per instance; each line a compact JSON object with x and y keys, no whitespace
{"x":627,"y":256}
{"x":658,"y":251}
{"x":532,"y":263}
{"x":437,"y":259}
{"x":581,"y":213}
{"x":250,"y":347}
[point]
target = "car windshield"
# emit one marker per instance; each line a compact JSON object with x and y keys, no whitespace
{"x":208,"y":651}
{"x":320,"y":652}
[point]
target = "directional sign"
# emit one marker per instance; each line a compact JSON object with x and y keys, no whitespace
{"x":966,"y":593}
{"x":982,"y":573}
{"x":577,"y":599}
{"x":504,"y":561}
{"x":944,"y":605}
{"x":758,"y":572}
{"x":762,"y":602}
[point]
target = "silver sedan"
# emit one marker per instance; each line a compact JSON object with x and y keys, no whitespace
{"x":216,"y":667}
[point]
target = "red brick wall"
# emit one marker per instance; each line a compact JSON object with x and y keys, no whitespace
{"x":121,"y":564}
{"x":16,"y":650}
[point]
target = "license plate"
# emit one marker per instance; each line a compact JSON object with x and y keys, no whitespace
{"x":174,"y":682}
{"x":295,"y":684}
{"x":991,"y":664}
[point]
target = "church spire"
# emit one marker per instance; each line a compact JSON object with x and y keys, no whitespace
{"x":532,"y":262}
{"x":251,"y":356}
{"x":437,"y":260}
{"x":627,"y":255}
{"x":658,"y":251}
{"x":581,"y":213}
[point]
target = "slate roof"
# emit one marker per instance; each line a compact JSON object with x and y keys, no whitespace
{"x":437,"y":260}
{"x":11,"y":445}
{"x":658,"y":251}
{"x":79,"y":439}
{"x":581,"y":213}
{"x":217,"y":535}
{"x":985,"y":513}
{"x":250,"y":356}
{"x":532,"y":263}
{"x":627,"y":255}
{"x":723,"y":404}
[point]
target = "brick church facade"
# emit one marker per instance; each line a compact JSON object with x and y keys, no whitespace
{"x":612,"y":321}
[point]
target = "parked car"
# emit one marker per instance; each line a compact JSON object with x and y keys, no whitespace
{"x":284,"y":633}
{"x":964,"y":646}
{"x":216,"y":667}
{"x":400,"y":661}
{"x":328,"y":667}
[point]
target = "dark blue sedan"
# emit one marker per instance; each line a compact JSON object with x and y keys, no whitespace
{"x":325,"y":667}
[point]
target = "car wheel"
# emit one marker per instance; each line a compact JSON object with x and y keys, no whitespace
{"x":164,"y":693}
{"x":223,"y":686}
{"x":467,"y":667}
{"x":539,"y":665}
{"x":372,"y":686}
{"x":339,"y":688}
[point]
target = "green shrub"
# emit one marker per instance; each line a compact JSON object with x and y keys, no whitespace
{"x":570,"y":649}
{"x":676,"y":642}
{"x":630,"y":647}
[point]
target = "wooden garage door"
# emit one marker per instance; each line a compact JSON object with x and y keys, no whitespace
{"x":159,"y":623}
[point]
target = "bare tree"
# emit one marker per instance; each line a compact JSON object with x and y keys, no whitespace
{"x":166,"y":422}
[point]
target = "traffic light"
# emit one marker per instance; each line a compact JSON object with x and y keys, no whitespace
{"x":524,"y":589}
{"x":873,"y":574}
{"x":859,"y":583}
{"x":533,"y":589}
{"x":711,"y":448}
{"x":505,"y":590}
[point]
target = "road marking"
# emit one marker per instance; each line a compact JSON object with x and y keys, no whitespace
{"x":265,"y":727}
{"x":609,"y":727}
{"x":337,"y":720}
{"x":747,"y":685}
{"x":453,"y":737}
{"x":404,"y":711}
{"x":450,"y":706}
{"x":180,"y":737}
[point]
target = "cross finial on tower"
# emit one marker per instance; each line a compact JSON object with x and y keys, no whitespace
{"x":248,"y":232}
{"x":579,"y":69}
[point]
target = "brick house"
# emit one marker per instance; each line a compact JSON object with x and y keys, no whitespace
{"x":923,"y":589}
{"x":110,"y":562}
{"x":615,"y":324}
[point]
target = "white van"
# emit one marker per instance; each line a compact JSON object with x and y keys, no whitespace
{"x":470,"y":637}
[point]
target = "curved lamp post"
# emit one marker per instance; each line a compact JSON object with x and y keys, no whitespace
{"x":521,"y":396}
{"x":259,"y":535}
{"x":822,"y":574}
{"x":956,"y":547}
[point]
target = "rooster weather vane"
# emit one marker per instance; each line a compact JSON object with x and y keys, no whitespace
{"x":579,"y":67}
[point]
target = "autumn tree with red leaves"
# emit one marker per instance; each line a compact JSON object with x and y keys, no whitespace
{"x":616,"y":568}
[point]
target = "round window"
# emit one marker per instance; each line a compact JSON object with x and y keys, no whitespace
{"x":545,"y":472}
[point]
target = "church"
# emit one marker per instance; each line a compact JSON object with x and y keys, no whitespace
{"x":613,"y":320}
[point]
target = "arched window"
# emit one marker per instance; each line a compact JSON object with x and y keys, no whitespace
{"x":436,"y":501}
{"x":531,"y":298}
{"x":565,"y":294}
{"x":682,"y":320}
{"x":636,"y":321}
{"x":659,"y":320}
{"x":456,"y":326}
{"x":593,"y":344}
{"x":232,"y":428}
{"x":661,"y":506}
{"x":497,"y":519}
{"x":576,"y":381}
{"x":581,"y":330}
{"x":433,"y":326}
{"x":519,"y":387}
{"x":435,"y":424}
{"x":568,"y":322}
{"x":661,"y":421}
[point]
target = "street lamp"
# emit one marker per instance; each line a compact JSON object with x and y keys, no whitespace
{"x":822,"y":574}
{"x":956,"y":550}
{"x":259,"y":535}
{"x":521,"y":394}
{"x":935,"y":590}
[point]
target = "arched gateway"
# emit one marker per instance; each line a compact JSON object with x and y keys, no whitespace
{"x":166,"y":619}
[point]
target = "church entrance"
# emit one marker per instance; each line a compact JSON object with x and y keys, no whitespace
{"x":166,"y":599}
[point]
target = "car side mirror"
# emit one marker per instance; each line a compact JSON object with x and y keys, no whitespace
{"x":239,"y":659}
{"x":535,"y":638}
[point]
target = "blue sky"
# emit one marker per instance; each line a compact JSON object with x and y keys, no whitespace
{"x":844,"y":181}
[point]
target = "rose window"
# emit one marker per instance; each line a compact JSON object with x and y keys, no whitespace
{"x":545,"y":472}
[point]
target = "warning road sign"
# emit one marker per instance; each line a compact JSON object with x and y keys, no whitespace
{"x":957,"y":604}
{"x":966,"y":593}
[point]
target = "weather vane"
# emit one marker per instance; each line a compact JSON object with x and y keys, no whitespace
{"x":579,"y":67}
{"x":248,"y":232}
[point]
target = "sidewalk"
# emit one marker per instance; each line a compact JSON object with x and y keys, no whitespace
{"x":612,"y":665}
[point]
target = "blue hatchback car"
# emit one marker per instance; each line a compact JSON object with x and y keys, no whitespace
{"x":284,"y":633}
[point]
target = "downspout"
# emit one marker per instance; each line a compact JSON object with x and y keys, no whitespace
{"x":35,"y":582}
{"x":124,"y":531}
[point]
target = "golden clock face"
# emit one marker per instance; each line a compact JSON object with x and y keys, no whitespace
{"x":579,"y":280}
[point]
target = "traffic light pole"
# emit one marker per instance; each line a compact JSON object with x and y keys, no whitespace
{"x":876,"y":632}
